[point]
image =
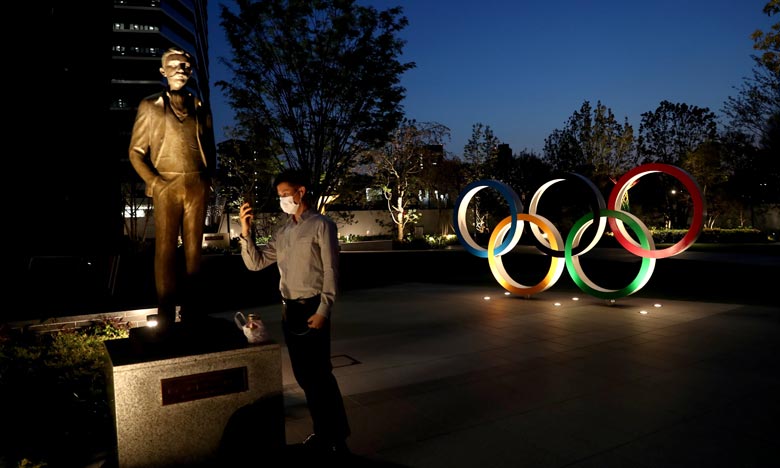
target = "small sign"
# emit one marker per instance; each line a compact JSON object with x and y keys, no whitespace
{"x":217,"y":240}
{"x":204,"y":385}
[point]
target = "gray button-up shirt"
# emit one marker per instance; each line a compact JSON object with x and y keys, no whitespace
{"x":307,"y":254}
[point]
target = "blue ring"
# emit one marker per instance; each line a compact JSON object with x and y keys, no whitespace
{"x":515,"y":207}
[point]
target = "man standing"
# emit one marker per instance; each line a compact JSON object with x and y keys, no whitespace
{"x":172,"y":149}
{"x":306,"y":251}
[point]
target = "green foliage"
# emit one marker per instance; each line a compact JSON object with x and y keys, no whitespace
{"x":259,"y":240}
{"x":756,"y":104}
{"x":441,"y":242}
{"x":739,"y":236}
{"x":409,"y":242}
{"x":244,"y":175}
{"x":25,"y":463}
{"x":413,"y":243}
{"x":479,"y":153}
{"x":108,"y":328}
{"x":400,"y":164}
{"x":357,"y":238}
{"x":211,"y":250}
{"x":316,"y":82}
{"x":769,"y":41}
{"x":672,"y":130}
{"x":54,"y":388}
{"x":713,"y":236}
{"x":592,"y":143}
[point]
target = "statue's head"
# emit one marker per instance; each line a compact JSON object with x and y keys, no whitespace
{"x":176,"y":67}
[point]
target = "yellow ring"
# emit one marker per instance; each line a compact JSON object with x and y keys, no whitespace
{"x":497,"y":266}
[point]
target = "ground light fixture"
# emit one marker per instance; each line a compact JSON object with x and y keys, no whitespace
{"x":151,"y":320}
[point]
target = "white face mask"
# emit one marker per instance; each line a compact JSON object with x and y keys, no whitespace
{"x":288,"y":205}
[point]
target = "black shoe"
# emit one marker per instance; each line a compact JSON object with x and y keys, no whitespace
{"x":317,"y":443}
{"x":339,"y":450}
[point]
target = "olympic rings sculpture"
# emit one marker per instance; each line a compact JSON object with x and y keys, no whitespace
{"x":507,"y":233}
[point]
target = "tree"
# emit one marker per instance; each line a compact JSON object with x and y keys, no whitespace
{"x":609,"y":149}
{"x":135,"y":201}
{"x":530,"y":173}
{"x":240,"y":177}
{"x":769,"y":42}
{"x":399,"y":164}
{"x":444,"y":180}
{"x":706,"y":164}
{"x":592,"y":143}
{"x":755,"y":112}
{"x":669,"y":133}
{"x":756,"y":103}
{"x":442,"y":176}
{"x":320,"y":77}
{"x":480,"y":154}
{"x":673,"y":134}
{"x":562,"y":151}
{"x":744,"y":178}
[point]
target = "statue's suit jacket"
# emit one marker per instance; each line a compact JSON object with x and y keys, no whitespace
{"x":149,"y":133}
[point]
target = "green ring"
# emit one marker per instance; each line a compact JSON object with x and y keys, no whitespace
{"x":645,"y":271}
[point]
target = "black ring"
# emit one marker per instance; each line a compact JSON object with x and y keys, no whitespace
{"x":596,"y":206}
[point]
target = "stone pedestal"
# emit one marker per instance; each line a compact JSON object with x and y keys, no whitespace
{"x":194,"y":396}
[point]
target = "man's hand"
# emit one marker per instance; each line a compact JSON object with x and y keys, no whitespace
{"x":245,"y":216}
{"x":316,"y":321}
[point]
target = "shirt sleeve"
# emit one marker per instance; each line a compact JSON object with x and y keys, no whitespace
{"x":329,"y":252}
{"x":254,"y":258}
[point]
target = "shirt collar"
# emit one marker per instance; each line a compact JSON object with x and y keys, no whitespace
{"x":307,"y":213}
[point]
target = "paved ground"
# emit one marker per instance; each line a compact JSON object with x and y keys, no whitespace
{"x":441,"y":376}
{"x":435,"y":374}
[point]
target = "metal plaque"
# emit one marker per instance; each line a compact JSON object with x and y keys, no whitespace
{"x":204,"y":385}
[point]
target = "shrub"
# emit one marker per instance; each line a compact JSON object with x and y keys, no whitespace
{"x":441,"y":241}
{"x":416,"y":243}
{"x":713,"y":236}
{"x":54,"y":388}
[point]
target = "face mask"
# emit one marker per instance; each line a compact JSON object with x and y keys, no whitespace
{"x":288,"y":205}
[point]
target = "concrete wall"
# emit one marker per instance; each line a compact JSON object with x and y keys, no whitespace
{"x":433,"y":222}
{"x":379,"y":222}
{"x":369,"y":223}
{"x":364,"y":223}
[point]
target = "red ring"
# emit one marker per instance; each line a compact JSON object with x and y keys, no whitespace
{"x":697,"y":220}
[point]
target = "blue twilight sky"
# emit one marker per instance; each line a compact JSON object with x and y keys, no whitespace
{"x":523,"y":67}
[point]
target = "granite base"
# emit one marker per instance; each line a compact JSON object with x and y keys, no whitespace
{"x":193,"y":395}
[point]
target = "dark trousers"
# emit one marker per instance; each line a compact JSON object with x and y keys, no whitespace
{"x":309,"y":351}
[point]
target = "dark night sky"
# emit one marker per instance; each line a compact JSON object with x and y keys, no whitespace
{"x":523,"y":67}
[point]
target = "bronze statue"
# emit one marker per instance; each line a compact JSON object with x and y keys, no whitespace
{"x":172,"y":149}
